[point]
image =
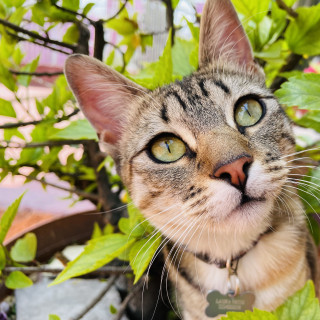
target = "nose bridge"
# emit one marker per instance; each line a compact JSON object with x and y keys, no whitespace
{"x":223,"y":146}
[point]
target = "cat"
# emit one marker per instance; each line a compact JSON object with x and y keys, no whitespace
{"x":207,"y":161}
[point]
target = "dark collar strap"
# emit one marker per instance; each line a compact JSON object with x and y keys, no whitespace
{"x":221,"y":264}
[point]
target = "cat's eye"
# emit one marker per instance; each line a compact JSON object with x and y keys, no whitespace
{"x":248,"y":112}
{"x":168,"y":149}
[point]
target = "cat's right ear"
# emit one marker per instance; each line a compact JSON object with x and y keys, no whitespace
{"x":103,"y":94}
{"x":222,"y":37}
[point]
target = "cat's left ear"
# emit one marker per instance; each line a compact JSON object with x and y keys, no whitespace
{"x":222,"y":37}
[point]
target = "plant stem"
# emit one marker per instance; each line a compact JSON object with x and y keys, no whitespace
{"x":97,"y":299}
{"x":36,"y":74}
{"x":83,"y":194}
{"x":281,"y":4}
{"x":35,"y":122}
{"x":35,"y":35}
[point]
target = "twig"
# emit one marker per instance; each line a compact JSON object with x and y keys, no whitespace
{"x":35,"y":35}
{"x":80,"y":193}
{"x":118,"y":12}
{"x":36,"y":74}
{"x":97,"y":299}
{"x":51,"y":143}
{"x":106,"y":270}
{"x":290,"y":11}
{"x":35,"y":122}
{"x":128,"y":298}
{"x":19,"y":38}
{"x":292,"y":61}
{"x":74,"y":13}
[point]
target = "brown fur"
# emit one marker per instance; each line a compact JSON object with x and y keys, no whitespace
{"x":199,"y":213}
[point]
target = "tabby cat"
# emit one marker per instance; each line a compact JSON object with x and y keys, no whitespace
{"x":207,"y":161}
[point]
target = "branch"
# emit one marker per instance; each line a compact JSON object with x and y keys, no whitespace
{"x":292,"y":61}
{"x":50,"y":143}
{"x":96,"y":300}
{"x":74,"y":13}
{"x":37,"y":74}
{"x":281,"y":4}
{"x":80,"y":193}
{"x":35,"y":35}
{"x":128,"y":298}
{"x":118,"y":12}
{"x":106,"y":270}
{"x":19,"y":38}
{"x":35,"y":122}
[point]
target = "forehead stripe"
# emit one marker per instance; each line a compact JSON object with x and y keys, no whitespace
{"x":222,"y":86}
{"x":175,"y":95}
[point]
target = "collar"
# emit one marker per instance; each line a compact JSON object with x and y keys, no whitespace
{"x":221,"y":264}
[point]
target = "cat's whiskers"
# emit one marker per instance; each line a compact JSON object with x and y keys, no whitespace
{"x":298,"y":152}
{"x":297,"y":159}
{"x":285,"y":207}
{"x":296,"y":194}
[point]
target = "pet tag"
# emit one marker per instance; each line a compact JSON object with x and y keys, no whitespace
{"x":223,"y":303}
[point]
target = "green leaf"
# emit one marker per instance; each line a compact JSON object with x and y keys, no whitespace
{"x":174,"y":3}
{"x":314,"y":229}
{"x":7,"y":218}
{"x":76,"y":130}
{"x":6,"y":109}
{"x":30,"y":67}
{"x":302,"y":33}
{"x":108,"y":229}
{"x":3,"y":259}
{"x":253,"y":10}
{"x":71,"y":4}
{"x":53,"y":317}
{"x":302,"y":305}
{"x":302,"y":91}
{"x":18,"y":280}
{"x":24,"y":250}
{"x":142,"y":252}
{"x":72,"y":35}
{"x":6,"y":78}
{"x":256,"y":314}
{"x":9,"y":133}
{"x":124,"y":26}
{"x":97,"y":253}
{"x":87,"y":8}
{"x":30,"y":156}
{"x":181,"y":52}
{"x":113,"y":309}
{"x":97,"y":232}
{"x":131,"y":228}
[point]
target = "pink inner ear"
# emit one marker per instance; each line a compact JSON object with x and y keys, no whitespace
{"x":103,"y":94}
{"x":222,"y":36}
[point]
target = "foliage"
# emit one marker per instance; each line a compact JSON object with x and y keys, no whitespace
{"x":283,"y":40}
{"x":302,"y":305}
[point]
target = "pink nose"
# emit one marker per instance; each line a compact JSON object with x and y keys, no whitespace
{"x":234,"y":172}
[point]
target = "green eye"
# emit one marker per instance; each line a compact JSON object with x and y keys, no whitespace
{"x":168,"y":149}
{"x":248,"y":113}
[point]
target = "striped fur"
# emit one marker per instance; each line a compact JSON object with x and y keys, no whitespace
{"x":199,"y":214}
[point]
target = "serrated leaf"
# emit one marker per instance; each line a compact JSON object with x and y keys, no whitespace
{"x":24,"y":249}
{"x":130,"y":228}
{"x":252,"y":10}
{"x":6,"y":109}
{"x":3,"y":259}
{"x":76,"y":130}
{"x":8,"y":216}
{"x":256,"y":314}
{"x":302,"y":34}
{"x":18,"y":280}
{"x":142,"y":252}
{"x":302,"y":91}
{"x":302,"y":305}
{"x":97,"y":253}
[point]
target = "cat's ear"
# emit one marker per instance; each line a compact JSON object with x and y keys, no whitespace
{"x":222,"y":37}
{"x":103,"y":94}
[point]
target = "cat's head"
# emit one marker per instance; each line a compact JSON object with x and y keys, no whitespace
{"x":201,"y":154}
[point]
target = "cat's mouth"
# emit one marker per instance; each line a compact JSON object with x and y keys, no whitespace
{"x":249,"y":200}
